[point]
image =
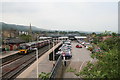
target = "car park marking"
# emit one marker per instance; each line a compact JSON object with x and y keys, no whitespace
{"x":81,"y":65}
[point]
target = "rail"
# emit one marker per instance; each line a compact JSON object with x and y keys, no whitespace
{"x":56,"y":68}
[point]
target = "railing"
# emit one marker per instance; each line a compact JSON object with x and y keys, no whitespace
{"x":56,"y":68}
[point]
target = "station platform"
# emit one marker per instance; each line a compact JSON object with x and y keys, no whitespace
{"x":7,"y":53}
{"x":44,"y":65}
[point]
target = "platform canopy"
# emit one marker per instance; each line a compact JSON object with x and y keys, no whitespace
{"x":80,"y":37}
{"x":63,"y":37}
{"x":45,"y":37}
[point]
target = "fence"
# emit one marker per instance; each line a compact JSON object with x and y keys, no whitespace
{"x":56,"y":71}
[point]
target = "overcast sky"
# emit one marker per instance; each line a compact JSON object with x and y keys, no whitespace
{"x":81,"y":16}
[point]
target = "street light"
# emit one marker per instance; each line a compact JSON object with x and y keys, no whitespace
{"x":37,"y":59}
{"x":49,"y":44}
{"x":53,"y":54}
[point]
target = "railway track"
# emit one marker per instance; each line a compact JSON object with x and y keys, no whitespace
{"x":14,"y":68}
{"x":9,"y":59}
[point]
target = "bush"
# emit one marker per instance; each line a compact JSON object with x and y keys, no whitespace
{"x":107,"y":64}
{"x":90,"y":48}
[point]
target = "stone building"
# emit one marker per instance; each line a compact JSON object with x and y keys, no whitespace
{"x":9,"y":33}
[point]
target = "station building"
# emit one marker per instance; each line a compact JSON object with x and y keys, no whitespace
{"x":11,"y":44}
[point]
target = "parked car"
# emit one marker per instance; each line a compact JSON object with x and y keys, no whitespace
{"x":67,"y":42}
{"x":59,"y":52}
{"x":67,"y":53}
{"x":78,"y":46}
{"x":65,"y":50}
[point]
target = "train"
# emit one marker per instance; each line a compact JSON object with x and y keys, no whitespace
{"x":29,"y":47}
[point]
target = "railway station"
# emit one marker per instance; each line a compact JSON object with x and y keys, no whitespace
{"x":48,"y":55}
{"x":59,"y":40}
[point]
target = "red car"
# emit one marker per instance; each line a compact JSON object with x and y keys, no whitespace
{"x":78,"y":46}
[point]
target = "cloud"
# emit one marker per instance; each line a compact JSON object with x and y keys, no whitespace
{"x":85,"y":16}
{"x":61,"y":1}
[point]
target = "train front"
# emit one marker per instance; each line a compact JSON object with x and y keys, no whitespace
{"x":23,"y":49}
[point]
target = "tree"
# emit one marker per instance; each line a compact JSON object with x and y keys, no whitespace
{"x":27,"y":38}
{"x":107,"y":64}
{"x":44,"y":75}
{"x":106,"y":33}
{"x":114,"y":34}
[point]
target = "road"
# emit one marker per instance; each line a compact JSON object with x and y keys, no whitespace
{"x":80,"y":56}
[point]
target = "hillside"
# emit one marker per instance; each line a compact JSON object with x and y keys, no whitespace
{"x":6,"y":26}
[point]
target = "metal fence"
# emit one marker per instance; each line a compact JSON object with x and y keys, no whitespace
{"x":56,"y":68}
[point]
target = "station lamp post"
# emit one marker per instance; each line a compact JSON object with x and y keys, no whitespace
{"x":37,"y":59}
{"x":53,"y":54}
{"x":49,"y":44}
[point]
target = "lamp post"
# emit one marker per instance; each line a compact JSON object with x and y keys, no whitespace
{"x":49,"y":44}
{"x":37,"y":59}
{"x":53,"y":54}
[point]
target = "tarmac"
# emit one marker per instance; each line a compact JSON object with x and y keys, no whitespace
{"x":80,"y":57}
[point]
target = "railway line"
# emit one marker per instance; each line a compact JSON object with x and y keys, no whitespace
{"x":12,"y":68}
{"x":9,"y":59}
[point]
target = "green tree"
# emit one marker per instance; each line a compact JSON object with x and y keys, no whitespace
{"x":107,"y":64}
{"x":44,"y":76}
{"x":27,"y":38}
{"x":107,"y":33}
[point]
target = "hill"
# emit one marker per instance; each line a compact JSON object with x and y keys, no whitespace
{"x":6,"y":26}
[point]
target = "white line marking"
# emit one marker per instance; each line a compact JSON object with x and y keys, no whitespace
{"x":81,"y":66}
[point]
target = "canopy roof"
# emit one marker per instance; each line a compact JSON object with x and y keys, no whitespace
{"x":81,"y":37}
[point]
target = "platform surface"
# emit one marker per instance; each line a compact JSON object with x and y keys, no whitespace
{"x":44,"y":65}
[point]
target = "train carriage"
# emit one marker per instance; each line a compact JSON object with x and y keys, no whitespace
{"x":29,"y":47}
{"x":26,"y":47}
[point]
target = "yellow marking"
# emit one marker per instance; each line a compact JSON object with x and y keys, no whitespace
{"x":25,"y":51}
{"x":22,"y":50}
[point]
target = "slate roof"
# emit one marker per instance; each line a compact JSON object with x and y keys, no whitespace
{"x":14,"y":41}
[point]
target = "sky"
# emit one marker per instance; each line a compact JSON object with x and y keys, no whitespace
{"x":75,"y":15}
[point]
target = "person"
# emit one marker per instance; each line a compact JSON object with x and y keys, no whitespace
{"x":65,"y":63}
{"x":4,"y":50}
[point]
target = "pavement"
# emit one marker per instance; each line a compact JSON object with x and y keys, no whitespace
{"x":80,"y":57}
{"x":44,"y":65}
{"x":7,"y":53}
